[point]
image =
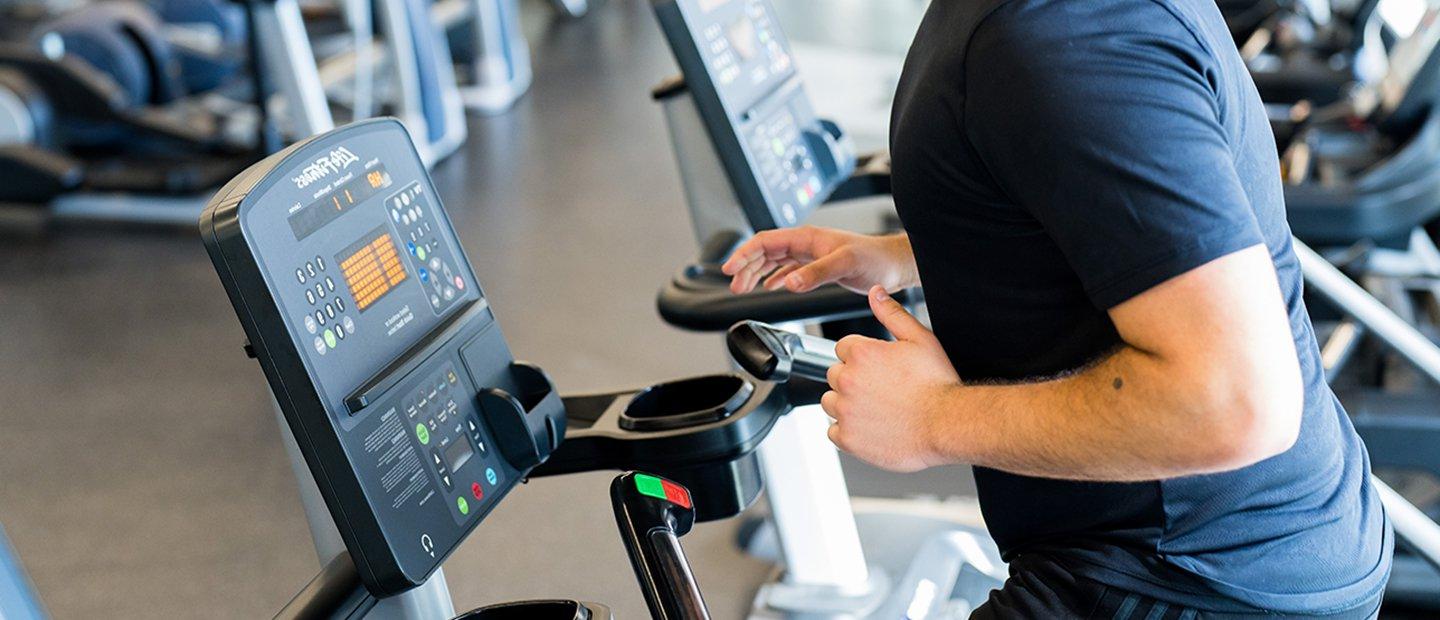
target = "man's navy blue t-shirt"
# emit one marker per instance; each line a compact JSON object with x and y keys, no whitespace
{"x":1054,"y":158}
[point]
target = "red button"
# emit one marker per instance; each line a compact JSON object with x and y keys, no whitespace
{"x":676,"y":493}
{"x":460,"y":284}
{"x":475,"y":490}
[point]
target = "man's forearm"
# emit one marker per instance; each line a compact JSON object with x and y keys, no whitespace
{"x":1129,"y":417}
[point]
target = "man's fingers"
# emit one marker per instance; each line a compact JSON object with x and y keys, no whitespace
{"x":895,"y":317}
{"x":823,"y":270}
{"x":845,"y":348}
{"x":830,"y":404}
{"x":832,"y":376}
{"x":770,"y":244}
{"x":776,"y":280}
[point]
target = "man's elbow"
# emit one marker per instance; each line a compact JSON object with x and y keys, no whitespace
{"x":1251,"y":423}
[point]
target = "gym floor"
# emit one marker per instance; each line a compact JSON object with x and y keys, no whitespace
{"x":143,"y":471}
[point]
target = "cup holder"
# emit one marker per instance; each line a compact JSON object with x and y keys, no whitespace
{"x":687,"y":402}
{"x":540,"y":610}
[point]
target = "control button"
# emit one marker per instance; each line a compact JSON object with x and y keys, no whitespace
{"x":449,"y":486}
{"x":320,"y":316}
{"x":330,"y":338}
{"x":491,"y":476}
{"x":419,"y":211}
{"x":434,"y":301}
{"x":410,"y":247}
{"x":320,"y":345}
{"x":310,"y":324}
{"x":405,"y":219}
{"x":405,"y":199}
{"x":435,"y":457}
{"x":395,"y":214}
{"x":420,"y":252}
{"x":423,"y":434}
{"x":463,"y":505}
{"x":434,"y":262}
{"x":329,"y":284}
{"x":471,"y":425}
{"x":459,"y":284}
{"x":310,"y":296}
{"x":320,"y":262}
{"x":340,"y":332}
{"x":414,"y":216}
{"x":477,"y":490}
{"x":424,"y":273}
{"x":340,"y":304}
{"x":320,"y":290}
{"x":310,"y":269}
{"x":300,"y":275}
{"x":449,"y":293}
{"x":788,"y":211}
{"x":450,"y":376}
{"x":330,"y":311}
{"x":349,"y":324}
{"x":427,"y":545}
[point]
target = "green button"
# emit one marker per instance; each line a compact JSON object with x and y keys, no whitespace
{"x":650,"y":485}
{"x":464,"y":505}
{"x":330,"y":338}
{"x":420,"y":251}
{"x":423,"y":434}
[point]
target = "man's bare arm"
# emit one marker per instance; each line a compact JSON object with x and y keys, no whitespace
{"x":1207,"y":380}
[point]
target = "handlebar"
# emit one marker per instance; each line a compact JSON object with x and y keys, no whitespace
{"x":772,"y":354}
{"x":653,"y":513}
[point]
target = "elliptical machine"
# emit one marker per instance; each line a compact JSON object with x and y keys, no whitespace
{"x":404,"y":412}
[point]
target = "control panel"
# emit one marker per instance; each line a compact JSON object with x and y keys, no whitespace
{"x":379,"y":346}
{"x":782,"y":160}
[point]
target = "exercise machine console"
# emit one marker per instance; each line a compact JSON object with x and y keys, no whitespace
{"x":780,"y":158}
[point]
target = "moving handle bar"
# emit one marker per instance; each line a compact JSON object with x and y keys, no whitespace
{"x":699,"y":297}
{"x":773,"y":354}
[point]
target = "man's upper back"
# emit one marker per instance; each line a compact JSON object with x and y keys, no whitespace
{"x":1054,"y":158}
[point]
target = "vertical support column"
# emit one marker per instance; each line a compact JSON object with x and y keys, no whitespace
{"x":291,"y":63}
{"x":810,"y":504}
{"x":430,"y":600}
{"x":500,"y":72}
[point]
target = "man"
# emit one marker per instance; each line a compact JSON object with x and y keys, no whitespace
{"x":1094,"y":208}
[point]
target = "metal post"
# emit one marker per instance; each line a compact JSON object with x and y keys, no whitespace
{"x":291,"y":64}
{"x":1378,"y":320}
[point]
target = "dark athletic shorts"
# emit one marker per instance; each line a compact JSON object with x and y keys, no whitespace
{"x":1039,"y":587}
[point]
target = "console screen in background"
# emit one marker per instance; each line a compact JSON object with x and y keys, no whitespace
{"x":371,"y":267}
{"x":743,"y":49}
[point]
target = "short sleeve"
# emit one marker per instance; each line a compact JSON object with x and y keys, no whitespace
{"x":1107,"y":129}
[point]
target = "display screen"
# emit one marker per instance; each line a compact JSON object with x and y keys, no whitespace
{"x":458,"y":453}
{"x":339,"y":200}
{"x":371,"y":267}
{"x":742,"y":47}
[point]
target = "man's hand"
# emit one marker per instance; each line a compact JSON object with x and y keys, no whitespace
{"x":887,"y":397}
{"x":805,"y":258}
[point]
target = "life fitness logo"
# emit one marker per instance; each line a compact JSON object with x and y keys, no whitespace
{"x":338,"y":160}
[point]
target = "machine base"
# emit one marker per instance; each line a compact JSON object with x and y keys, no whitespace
{"x":928,"y":559}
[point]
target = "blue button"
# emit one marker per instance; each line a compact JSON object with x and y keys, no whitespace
{"x":410,"y":246}
{"x":424,"y":275}
{"x":491,"y":477}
